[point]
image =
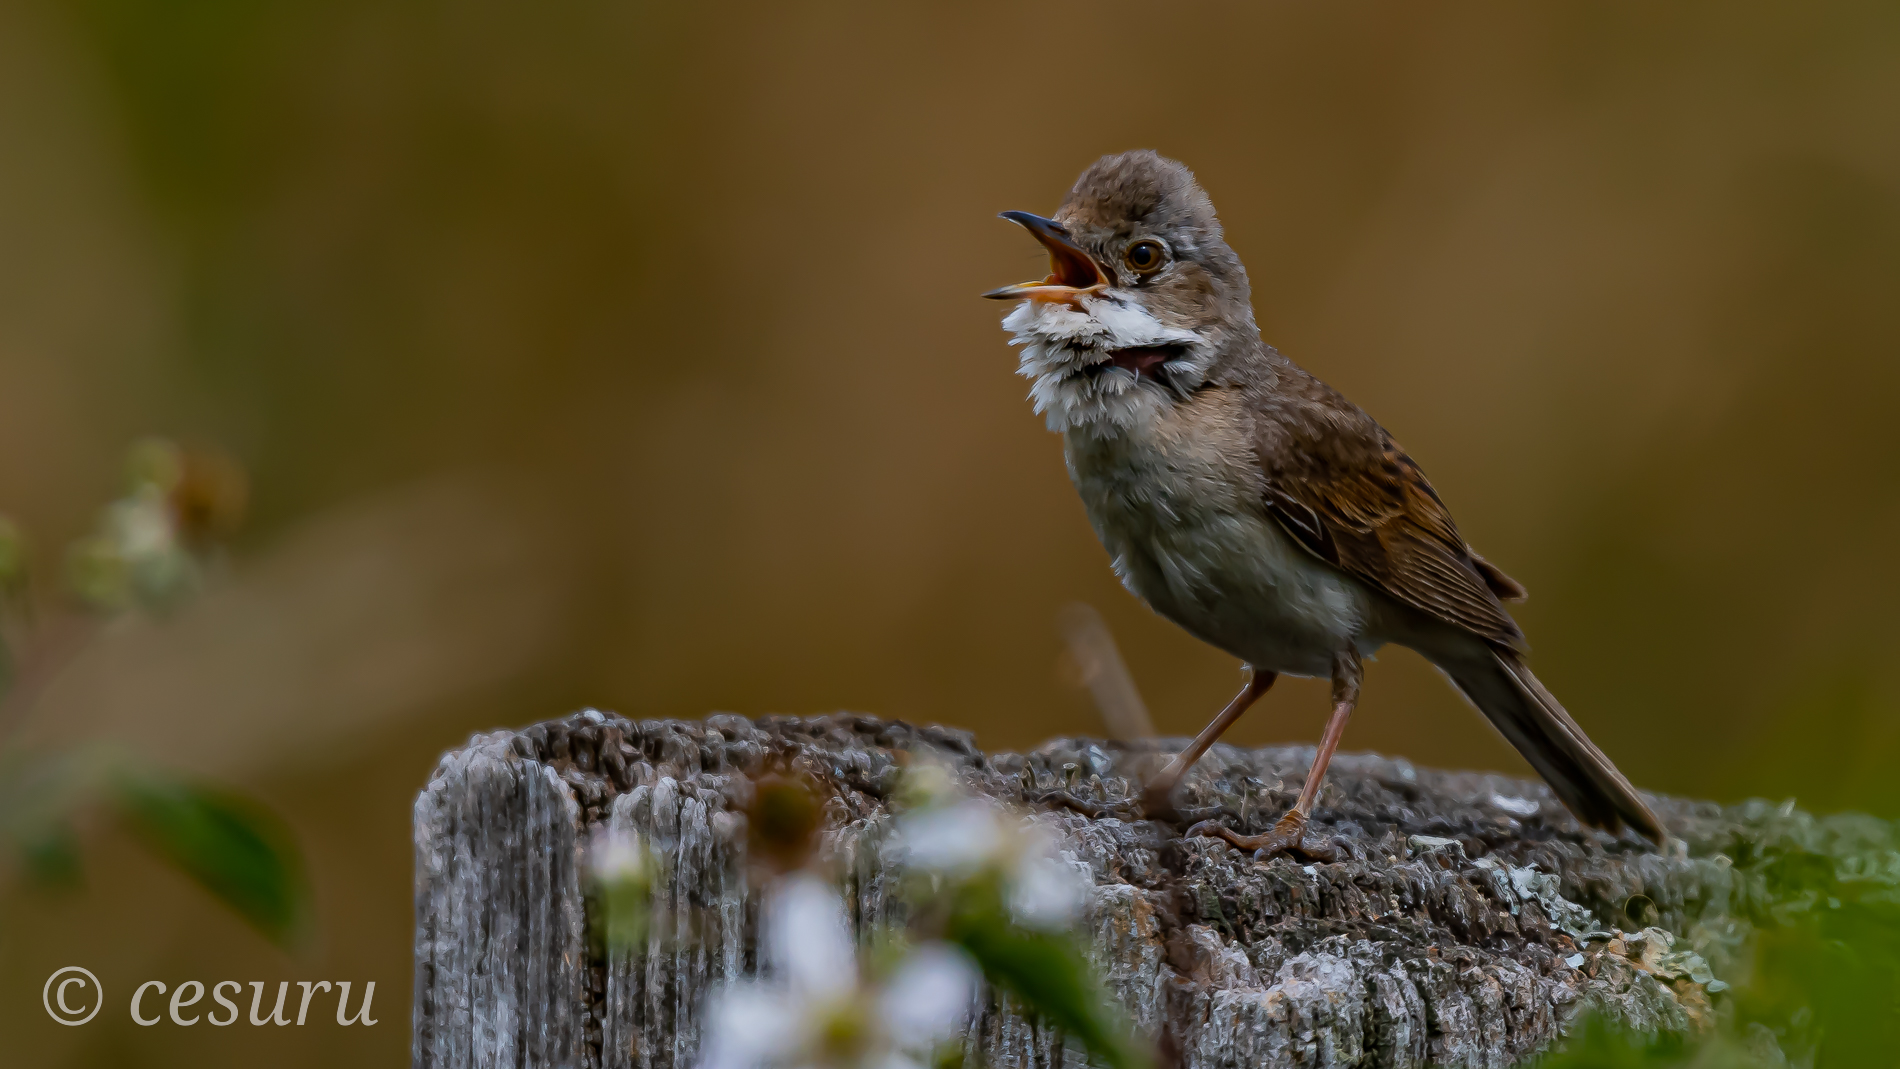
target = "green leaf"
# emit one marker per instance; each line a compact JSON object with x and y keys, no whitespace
{"x":233,"y":847}
{"x":1823,"y":984}
{"x":1595,"y":1044}
{"x":1047,"y":971}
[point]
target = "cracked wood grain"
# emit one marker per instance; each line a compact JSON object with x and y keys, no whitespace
{"x":1469,"y":919}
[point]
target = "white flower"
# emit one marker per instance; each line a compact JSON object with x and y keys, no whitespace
{"x":142,"y":525}
{"x":814,"y":1010}
{"x":624,"y":871}
{"x":619,"y":857}
{"x":136,"y":557}
{"x":928,"y":783}
{"x":1045,"y":893}
{"x":967,"y":837}
{"x":958,"y":839}
{"x":927,"y":1000}
{"x":808,"y":940}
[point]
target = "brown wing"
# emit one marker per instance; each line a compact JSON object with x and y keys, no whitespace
{"x":1339,"y":484}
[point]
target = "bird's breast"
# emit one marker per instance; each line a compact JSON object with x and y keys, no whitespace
{"x":1176,"y":501}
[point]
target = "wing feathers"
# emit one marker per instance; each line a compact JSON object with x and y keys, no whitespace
{"x":1303,"y":524}
{"x":1342,"y":488}
{"x":1505,"y":587}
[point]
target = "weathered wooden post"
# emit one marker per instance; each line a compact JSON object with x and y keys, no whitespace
{"x":1469,"y":918}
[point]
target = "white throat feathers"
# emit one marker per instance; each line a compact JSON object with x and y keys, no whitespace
{"x":1067,"y":356}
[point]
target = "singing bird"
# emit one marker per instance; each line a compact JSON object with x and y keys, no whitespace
{"x":1251,"y":503}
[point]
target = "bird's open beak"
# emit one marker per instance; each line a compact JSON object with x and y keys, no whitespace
{"x":1071,"y":271}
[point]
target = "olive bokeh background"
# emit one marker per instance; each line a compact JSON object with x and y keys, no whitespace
{"x":629,"y":355}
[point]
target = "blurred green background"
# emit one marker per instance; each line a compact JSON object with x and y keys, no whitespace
{"x":607,"y":353}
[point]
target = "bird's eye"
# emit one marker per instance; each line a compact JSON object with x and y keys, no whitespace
{"x":1145,"y":257}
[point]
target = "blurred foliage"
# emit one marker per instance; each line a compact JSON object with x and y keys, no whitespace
{"x":1046,"y":970}
{"x":972,"y":895}
{"x":622,"y":875}
{"x":150,"y":549}
{"x":152,"y":545}
{"x":1817,"y":986}
{"x":232,"y":846}
{"x":149,"y":552}
{"x":1597,"y":1045}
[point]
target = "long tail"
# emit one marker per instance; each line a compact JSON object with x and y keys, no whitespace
{"x":1509,"y":696}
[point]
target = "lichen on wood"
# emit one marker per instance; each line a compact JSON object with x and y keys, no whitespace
{"x":1468,"y":919}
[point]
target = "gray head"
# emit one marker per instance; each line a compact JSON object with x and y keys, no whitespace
{"x":1144,"y":301}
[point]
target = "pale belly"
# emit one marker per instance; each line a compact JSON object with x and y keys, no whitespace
{"x":1186,"y":534}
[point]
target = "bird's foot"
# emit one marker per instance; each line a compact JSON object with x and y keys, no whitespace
{"x":1288,"y":836}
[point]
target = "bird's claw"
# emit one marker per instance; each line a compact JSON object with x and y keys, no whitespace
{"x":1288,"y":836}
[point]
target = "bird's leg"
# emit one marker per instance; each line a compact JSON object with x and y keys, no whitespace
{"x":1157,"y":798}
{"x":1289,"y":832}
